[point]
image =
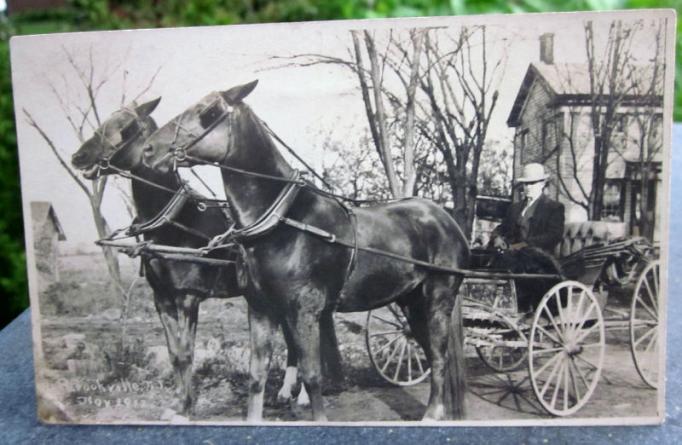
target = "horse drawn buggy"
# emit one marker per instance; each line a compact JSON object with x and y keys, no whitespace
{"x":558,"y":335}
{"x":302,"y":253}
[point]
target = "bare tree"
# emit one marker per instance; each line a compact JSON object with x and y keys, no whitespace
{"x":387,"y":67}
{"x":647,"y":134}
{"x":430,"y":91}
{"x":461,"y":84}
{"x":572,"y":142}
{"x":610,"y":84}
{"x":623,"y":96}
{"x":404,"y":63}
{"x":83,"y":117}
{"x":353,"y":170}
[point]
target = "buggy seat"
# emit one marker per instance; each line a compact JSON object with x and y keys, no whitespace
{"x":584,"y":249}
{"x":579,"y":235}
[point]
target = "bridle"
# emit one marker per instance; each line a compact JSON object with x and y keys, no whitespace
{"x":105,"y":163}
{"x":180,"y":153}
{"x":179,"y":196}
{"x":276,"y":212}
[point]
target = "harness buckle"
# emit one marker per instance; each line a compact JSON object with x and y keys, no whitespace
{"x":201,"y":206}
{"x":217,"y":241}
{"x":104,"y":163}
{"x":179,"y":154}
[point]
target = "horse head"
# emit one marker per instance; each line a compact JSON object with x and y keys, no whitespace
{"x":197,"y":132}
{"x":117,"y":142}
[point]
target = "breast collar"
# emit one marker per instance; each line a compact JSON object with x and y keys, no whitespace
{"x":274,"y":214}
{"x":165,"y":216}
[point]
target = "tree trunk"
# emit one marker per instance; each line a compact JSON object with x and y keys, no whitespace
{"x":410,"y":170}
{"x":380,"y":117}
{"x":109,"y":254}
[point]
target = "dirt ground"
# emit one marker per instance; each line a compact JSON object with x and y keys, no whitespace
{"x":95,"y":379}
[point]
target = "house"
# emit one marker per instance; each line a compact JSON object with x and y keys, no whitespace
{"x":553,"y":119}
{"x":47,"y":232}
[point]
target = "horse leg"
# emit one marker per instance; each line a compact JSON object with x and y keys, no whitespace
{"x":440,"y":300}
{"x":330,"y":357}
{"x":414,"y":309}
{"x":262,"y":328}
{"x":305,"y":329}
{"x":168,"y":315}
{"x":291,"y":373}
{"x":332,"y":368}
{"x":188,"y":313}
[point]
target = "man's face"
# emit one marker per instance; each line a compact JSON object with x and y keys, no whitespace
{"x":533,"y":190}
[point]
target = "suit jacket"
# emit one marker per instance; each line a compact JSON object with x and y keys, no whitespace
{"x":543,"y":229}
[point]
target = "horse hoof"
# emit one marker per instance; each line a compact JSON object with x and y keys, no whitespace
{"x":434,"y":414}
{"x":179,"y":420}
{"x":254,"y":419}
{"x":428,"y":420}
{"x":283,"y":397}
{"x":303,"y":399}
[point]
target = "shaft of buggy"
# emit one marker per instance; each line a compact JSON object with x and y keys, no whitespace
{"x":171,"y":253}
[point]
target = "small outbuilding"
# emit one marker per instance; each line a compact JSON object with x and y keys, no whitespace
{"x":47,"y":232}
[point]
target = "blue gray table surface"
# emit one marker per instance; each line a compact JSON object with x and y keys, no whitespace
{"x":18,"y":422}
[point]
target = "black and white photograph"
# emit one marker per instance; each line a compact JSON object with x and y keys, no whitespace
{"x":426,"y":221}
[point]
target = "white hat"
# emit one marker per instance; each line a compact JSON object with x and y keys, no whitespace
{"x":533,"y":172}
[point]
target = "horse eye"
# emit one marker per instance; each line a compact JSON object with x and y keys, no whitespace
{"x":210,"y":115}
{"x":129,"y":131}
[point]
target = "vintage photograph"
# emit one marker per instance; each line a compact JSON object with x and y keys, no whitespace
{"x":434,"y":221}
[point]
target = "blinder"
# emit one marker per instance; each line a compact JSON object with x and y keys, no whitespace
{"x":129,"y":134}
{"x":211,"y":114}
{"x":209,"y":118}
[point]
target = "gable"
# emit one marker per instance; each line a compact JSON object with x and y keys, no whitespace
{"x":42,"y":212}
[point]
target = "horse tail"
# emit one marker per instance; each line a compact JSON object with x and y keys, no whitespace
{"x":329,"y":349}
{"x":455,"y":378}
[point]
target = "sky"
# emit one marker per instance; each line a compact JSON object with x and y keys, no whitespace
{"x":303,"y":105}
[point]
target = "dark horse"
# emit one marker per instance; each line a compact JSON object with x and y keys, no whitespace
{"x":179,"y":286}
{"x":307,"y":265}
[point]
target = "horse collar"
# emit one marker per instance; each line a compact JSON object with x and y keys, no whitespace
{"x":267,"y":222}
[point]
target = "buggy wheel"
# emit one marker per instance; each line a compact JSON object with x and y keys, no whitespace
{"x":566,"y":348}
{"x":505,"y":348}
{"x":644,"y":324}
{"x":393,"y":350}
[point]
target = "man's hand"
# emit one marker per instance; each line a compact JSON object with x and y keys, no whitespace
{"x":519,"y":246}
{"x":500,"y":243}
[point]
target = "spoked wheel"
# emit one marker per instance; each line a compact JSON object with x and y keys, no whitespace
{"x":644,"y":324}
{"x":392,"y":348}
{"x":566,"y":348}
{"x":505,"y":348}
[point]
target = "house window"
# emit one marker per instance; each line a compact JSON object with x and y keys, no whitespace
{"x":523,"y":145}
{"x":545,"y":137}
{"x":612,"y":210}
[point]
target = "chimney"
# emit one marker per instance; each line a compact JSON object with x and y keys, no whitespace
{"x":547,"y":48}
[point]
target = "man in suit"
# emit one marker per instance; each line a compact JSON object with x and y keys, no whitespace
{"x":528,"y":235}
{"x":537,"y":221}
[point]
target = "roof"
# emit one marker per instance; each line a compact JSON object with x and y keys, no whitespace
{"x":41,"y":211}
{"x":570,"y":82}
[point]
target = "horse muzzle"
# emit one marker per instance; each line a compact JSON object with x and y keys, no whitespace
{"x":150,"y":160}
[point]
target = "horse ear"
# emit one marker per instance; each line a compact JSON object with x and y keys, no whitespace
{"x":146,"y":109}
{"x":236,"y":94}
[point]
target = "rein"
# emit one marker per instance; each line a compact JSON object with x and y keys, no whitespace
{"x":170,"y":210}
{"x":277,"y":211}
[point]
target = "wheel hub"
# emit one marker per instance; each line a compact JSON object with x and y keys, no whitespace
{"x":572,"y":350}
